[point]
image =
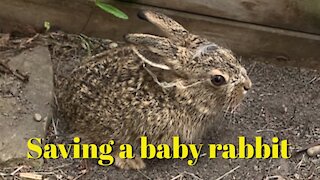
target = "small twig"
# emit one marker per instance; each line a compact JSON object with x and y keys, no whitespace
{"x":24,"y":42}
{"x":311,"y":176}
{"x":307,"y":147}
{"x":62,"y":166}
{"x":63,"y":173}
{"x":31,"y":176}
{"x":193,"y":175}
{"x":45,"y":173}
{"x":294,"y":113}
{"x":266,"y":130}
{"x":300,"y":163}
{"x":181,"y":175}
{"x":15,"y":171}
{"x":202,"y":155}
{"x":6,"y":69}
{"x":226,"y":174}
{"x":251,"y":68}
{"x":2,"y":175}
{"x":274,"y":177}
{"x":86,"y":43}
{"x":82,"y":174}
{"x":32,"y":38}
{"x":56,"y":103}
{"x":23,"y":77}
{"x":54,"y":127}
{"x":315,"y":79}
{"x":96,"y":56}
{"x":144,"y":175}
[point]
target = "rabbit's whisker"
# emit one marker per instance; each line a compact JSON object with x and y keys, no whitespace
{"x":227,"y":108}
{"x":236,"y":107}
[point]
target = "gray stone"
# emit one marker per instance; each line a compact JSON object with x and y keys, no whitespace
{"x":37,"y":117}
{"x":35,"y":97}
{"x":113,"y":45}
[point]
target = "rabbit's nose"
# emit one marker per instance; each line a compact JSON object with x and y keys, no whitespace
{"x":247,"y":85}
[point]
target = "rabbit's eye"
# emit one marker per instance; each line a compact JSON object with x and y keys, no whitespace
{"x":218,"y":80}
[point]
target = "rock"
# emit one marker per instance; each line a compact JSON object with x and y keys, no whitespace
{"x":35,"y":97}
{"x":4,"y":39}
{"x":37,"y":117}
{"x":113,"y":45}
{"x":314,"y":151}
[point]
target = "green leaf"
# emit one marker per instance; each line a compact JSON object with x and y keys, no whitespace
{"x":46,"y":25}
{"x":111,"y":9}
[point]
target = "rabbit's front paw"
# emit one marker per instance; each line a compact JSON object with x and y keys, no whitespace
{"x":135,"y":163}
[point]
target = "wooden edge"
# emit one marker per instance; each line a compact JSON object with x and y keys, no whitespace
{"x":295,"y":15}
{"x":279,"y":46}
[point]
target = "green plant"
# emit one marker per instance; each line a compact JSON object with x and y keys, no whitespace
{"x":111,"y":9}
{"x":46,"y":25}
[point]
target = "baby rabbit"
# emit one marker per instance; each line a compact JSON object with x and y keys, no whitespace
{"x":155,"y":86}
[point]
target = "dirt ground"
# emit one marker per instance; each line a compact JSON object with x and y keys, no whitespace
{"x":284,"y":103}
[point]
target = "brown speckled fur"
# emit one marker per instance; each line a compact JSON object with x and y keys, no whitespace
{"x":115,"y":97}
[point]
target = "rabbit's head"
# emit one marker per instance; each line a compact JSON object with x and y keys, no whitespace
{"x":207,"y":75}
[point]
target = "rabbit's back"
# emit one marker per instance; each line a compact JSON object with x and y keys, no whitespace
{"x":114,"y":97}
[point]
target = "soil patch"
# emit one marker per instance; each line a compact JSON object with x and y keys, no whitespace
{"x":284,"y":103}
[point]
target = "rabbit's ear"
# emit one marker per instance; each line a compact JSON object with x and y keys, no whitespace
{"x":166,"y":24}
{"x":159,"y":45}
